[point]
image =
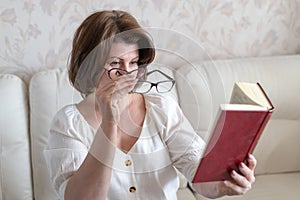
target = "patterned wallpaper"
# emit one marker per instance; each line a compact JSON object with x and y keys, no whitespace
{"x":37,"y":34}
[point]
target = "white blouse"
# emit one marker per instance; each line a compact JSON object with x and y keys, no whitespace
{"x":147,"y":171}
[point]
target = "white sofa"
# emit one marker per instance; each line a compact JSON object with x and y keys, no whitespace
{"x":27,"y":110}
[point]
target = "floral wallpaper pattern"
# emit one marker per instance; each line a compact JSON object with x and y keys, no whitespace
{"x":37,"y":34}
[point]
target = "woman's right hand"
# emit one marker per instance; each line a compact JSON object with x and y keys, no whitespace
{"x":112,"y":96}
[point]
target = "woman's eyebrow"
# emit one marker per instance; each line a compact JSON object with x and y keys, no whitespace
{"x":135,"y":57}
{"x":113,"y":57}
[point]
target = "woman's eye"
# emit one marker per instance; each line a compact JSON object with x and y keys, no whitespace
{"x":114,"y":63}
{"x":134,"y":62}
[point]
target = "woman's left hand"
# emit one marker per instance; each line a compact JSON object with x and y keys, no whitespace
{"x":239,"y":185}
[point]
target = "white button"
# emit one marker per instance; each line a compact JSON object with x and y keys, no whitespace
{"x":127,"y":162}
{"x":132,"y":189}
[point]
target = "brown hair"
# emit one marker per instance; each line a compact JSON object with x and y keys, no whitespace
{"x":92,"y":42}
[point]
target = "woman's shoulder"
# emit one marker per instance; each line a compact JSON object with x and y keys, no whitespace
{"x":162,"y":102}
{"x":66,"y":119}
{"x":65,"y":113}
{"x":68,"y":122}
{"x":163,"y":106}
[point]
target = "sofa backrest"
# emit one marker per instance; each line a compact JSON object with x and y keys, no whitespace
{"x":200,"y":88}
{"x":15,"y":165}
{"x":49,"y":91}
{"x":203,"y":86}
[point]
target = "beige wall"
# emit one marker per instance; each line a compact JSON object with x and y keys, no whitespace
{"x":37,"y":34}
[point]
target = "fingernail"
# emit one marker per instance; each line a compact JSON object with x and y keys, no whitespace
{"x":233,"y":172}
{"x":242,"y":165}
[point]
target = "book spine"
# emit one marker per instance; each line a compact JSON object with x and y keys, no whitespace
{"x":260,"y":131}
{"x":265,"y":94}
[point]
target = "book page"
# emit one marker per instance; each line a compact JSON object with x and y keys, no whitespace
{"x":249,"y":93}
{"x":242,"y":107}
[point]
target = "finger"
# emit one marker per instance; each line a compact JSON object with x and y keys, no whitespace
{"x":233,"y":189}
{"x":120,"y":93}
{"x":125,"y":85}
{"x":114,"y":91}
{"x":247,"y":172}
{"x":106,"y":90}
{"x":124,"y":76}
{"x":106,"y":83}
{"x":240,"y":179}
{"x":251,"y":162}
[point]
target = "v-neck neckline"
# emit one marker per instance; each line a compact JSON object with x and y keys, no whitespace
{"x":145,"y":121}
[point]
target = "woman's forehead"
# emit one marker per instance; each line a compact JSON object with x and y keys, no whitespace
{"x":123,"y":50}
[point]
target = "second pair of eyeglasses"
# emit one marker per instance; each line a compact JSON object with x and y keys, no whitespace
{"x":144,"y":86}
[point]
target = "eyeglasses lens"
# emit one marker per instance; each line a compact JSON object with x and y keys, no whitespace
{"x":142,"y":87}
{"x":164,"y":86}
{"x":115,"y":73}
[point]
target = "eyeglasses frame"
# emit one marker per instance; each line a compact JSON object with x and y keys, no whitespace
{"x":123,"y":70}
{"x":155,"y":84}
{"x":141,"y":81}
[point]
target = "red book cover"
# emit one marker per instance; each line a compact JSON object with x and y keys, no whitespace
{"x":235,"y":135}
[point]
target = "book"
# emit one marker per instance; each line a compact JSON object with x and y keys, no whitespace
{"x":235,"y":133}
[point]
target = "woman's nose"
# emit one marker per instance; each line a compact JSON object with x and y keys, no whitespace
{"x":127,"y":66}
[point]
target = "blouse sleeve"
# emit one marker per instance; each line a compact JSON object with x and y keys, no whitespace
{"x":185,"y":145}
{"x":65,"y":152}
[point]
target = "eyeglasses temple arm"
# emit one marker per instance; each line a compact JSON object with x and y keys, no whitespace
{"x":156,"y":70}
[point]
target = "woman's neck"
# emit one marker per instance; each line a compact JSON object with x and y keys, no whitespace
{"x":92,"y":112}
{"x":89,"y":110}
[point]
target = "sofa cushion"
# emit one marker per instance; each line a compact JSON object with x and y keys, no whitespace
{"x":15,"y":168}
{"x":270,"y":187}
{"x":185,"y":194}
{"x":202,"y":86}
{"x":49,"y":91}
{"x":275,"y":187}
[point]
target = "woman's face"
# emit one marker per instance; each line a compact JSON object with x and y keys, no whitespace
{"x":123,"y":56}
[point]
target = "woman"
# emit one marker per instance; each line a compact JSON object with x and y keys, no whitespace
{"x":118,"y":142}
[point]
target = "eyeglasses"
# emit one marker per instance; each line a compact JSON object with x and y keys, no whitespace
{"x":115,"y":73}
{"x":143,"y":87}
